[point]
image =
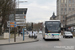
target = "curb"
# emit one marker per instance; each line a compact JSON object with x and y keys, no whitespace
{"x":19,"y":42}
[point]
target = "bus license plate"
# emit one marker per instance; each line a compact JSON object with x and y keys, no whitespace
{"x":53,"y":37}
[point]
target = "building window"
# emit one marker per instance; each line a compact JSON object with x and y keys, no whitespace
{"x":62,"y":13}
{"x":74,"y":18}
{"x":65,"y":9}
{"x":61,"y":9}
{"x":61,"y":1}
{"x":57,"y":0}
{"x":73,"y":1}
{"x":65,"y":4}
{"x":63,"y":20}
{"x":67,"y":20}
{"x":71,"y":19}
{"x":63,"y":16}
{"x":65,"y":1}
{"x":73,"y":9}
{"x":69,"y":5}
{"x":69,"y":1}
{"x":69,"y":9}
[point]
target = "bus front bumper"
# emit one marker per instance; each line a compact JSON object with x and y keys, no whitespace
{"x":52,"y":37}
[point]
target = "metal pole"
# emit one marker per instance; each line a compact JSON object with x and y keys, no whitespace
{"x":15,"y":35}
{"x":32,"y":30}
{"x":18,"y":4}
{"x":23,"y":29}
{"x":9,"y":34}
{"x":23,"y":34}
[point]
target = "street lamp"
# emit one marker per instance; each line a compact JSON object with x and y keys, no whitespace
{"x":20,"y":2}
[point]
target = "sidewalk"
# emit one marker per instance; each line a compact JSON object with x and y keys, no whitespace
{"x":18,"y":40}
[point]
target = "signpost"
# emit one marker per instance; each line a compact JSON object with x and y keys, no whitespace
{"x":11,"y":24}
{"x":20,"y":19}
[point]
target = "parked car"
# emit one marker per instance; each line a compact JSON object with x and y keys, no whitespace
{"x":67,"y":34}
{"x":34,"y":34}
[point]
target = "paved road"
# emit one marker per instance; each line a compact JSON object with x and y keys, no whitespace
{"x":63,"y":44}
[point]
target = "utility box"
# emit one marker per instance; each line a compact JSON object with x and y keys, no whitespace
{"x":6,"y":35}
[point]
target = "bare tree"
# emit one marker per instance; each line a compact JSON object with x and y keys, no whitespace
{"x":6,"y":8}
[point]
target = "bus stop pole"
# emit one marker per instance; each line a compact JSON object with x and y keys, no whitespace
{"x":23,"y":34}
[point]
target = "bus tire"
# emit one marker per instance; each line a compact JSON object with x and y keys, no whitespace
{"x":43,"y":38}
{"x":29,"y":36}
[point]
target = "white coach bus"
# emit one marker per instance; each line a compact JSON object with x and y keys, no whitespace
{"x":52,"y":29}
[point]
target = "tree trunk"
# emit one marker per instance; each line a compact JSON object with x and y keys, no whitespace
{"x":0,"y":30}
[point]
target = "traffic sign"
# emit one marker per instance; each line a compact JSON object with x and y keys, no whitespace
{"x":20,"y":19}
{"x":15,"y":25}
{"x":11,"y":24}
{"x":8,"y":22}
{"x":15,"y":22}
{"x":8,"y":25}
{"x":21,"y":25}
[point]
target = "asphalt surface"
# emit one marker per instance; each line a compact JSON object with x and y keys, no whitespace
{"x":63,"y":44}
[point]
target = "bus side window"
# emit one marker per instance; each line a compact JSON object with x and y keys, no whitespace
{"x":46,"y":29}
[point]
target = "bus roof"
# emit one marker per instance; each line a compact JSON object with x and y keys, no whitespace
{"x":50,"y":20}
{"x":54,"y":20}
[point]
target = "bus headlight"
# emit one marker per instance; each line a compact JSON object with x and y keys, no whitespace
{"x":45,"y":35}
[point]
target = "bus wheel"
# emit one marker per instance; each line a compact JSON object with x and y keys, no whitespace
{"x":43,"y":38}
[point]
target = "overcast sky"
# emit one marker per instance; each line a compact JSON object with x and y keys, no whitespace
{"x":38,"y":10}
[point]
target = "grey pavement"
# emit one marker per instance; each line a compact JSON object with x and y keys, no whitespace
{"x":19,"y":39}
{"x":63,"y":44}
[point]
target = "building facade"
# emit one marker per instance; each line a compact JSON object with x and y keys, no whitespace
{"x":64,"y":8}
{"x":71,"y":22}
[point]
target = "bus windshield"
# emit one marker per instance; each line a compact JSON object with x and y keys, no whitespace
{"x":52,"y":27}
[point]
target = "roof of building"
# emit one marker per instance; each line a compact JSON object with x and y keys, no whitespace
{"x":21,"y":10}
{"x":53,"y":20}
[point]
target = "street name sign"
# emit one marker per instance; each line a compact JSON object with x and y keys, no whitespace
{"x":11,"y":24}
